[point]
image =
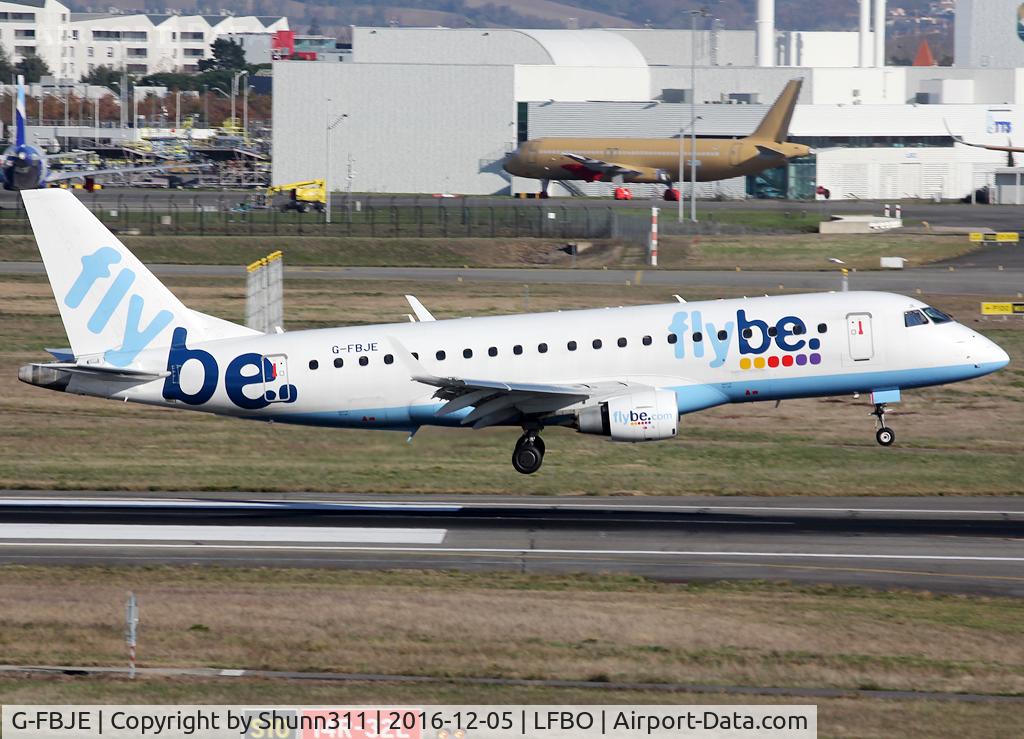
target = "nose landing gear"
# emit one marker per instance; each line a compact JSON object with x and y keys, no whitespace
{"x":528,"y":455}
{"x":885,"y":435}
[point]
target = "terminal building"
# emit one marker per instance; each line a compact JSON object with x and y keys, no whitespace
{"x":437,"y":110}
{"x":72,"y":44}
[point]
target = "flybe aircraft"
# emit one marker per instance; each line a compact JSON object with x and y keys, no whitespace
{"x":627,"y":374}
{"x":24,"y":166}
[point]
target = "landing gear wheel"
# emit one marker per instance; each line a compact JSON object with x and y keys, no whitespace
{"x":885,"y":435}
{"x":527,"y":458}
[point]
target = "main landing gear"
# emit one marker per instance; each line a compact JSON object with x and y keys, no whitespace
{"x":528,"y":455}
{"x":885,"y":435}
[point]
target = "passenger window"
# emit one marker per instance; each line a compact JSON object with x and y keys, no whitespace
{"x":596,"y":343}
{"x":571,"y":346}
{"x":440,"y":355}
{"x":492,"y":352}
{"x":772,"y":331}
{"x":415,"y":355}
{"x":697,"y":337}
{"x":622,"y":341}
{"x":672,"y":338}
{"x":647,"y":341}
{"x":747,"y":333}
{"x":389,"y":359}
{"x":339,"y":362}
{"x":938,"y":316}
{"x":914,"y":318}
{"x":822,"y":328}
{"x":542,"y":348}
{"x":797,"y":330}
{"x":363,"y":361}
{"x":467,"y":353}
{"x":517,"y":350}
{"x":723,"y":335}
{"x":313,"y":364}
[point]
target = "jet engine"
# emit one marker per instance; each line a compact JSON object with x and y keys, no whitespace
{"x":649,"y":415}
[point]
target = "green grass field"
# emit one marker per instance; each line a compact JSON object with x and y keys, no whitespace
{"x":952,"y":440}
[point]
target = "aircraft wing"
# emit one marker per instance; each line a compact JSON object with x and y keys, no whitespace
{"x":598,"y":165}
{"x":62,"y":176}
{"x":768,"y":151}
{"x":991,"y":147}
{"x":495,"y":402}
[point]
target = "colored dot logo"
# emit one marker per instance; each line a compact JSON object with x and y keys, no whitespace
{"x":786,"y":360}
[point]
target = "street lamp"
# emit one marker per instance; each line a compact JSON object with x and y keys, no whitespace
{"x":329,"y":126}
{"x":682,"y":138}
{"x":217,"y":89}
{"x":694,"y":14}
{"x":234,"y":91}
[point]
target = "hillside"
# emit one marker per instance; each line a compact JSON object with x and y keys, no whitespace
{"x":912,"y":17}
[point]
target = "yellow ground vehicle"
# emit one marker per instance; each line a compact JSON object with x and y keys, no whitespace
{"x":302,"y":196}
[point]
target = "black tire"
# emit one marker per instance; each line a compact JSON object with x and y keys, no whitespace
{"x":527,"y":458}
{"x":885,"y":436}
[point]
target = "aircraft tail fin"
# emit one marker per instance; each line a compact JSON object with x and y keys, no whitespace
{"x":775,"y":124}
{"x":112,"y":306}
{"x":19,"y":114}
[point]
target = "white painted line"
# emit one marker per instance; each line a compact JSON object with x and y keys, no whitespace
{"x":452,"y":506}
{"x":180,"y":503}
{"x":232,"y":673}
{"x":525,"y":552}
{"x":251,"y":534}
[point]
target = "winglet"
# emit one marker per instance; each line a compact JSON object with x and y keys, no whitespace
{"x":416,"y":370}
{"x":419,"y":309}
{"x":19,"y":115}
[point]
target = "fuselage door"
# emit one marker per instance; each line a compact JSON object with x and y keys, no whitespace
{"x":275,"y":378}
{"x":859,"y":329}
{"x":734,"y":154}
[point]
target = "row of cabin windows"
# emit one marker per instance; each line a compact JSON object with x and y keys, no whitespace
{"x":572,"y":346}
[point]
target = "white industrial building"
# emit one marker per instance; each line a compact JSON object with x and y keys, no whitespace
{"x":433,"y":110}
{"x":72,"y":44}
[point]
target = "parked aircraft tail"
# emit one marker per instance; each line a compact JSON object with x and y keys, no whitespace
{"x":775,"y":124}
{"x":19,"y":114}
{"x":112,"y":306}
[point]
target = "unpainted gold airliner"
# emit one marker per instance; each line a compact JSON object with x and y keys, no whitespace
{"x":657,"y":161}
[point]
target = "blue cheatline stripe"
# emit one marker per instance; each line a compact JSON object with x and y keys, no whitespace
{"x":690,"y":398}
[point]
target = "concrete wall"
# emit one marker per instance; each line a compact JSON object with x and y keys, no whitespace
{"x":581,"y":83}
{"x":894,"y":174}
{"x":986,"y":34}
{"x":819,"y":49}
{"x":411,"y":128}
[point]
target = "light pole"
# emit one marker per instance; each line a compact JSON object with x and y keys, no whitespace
{"x":703,"y":13}
{"x":217,"y":89}
{"x":234,"y":92}
{"x":329,"y":126}
{"x":682,"y":139}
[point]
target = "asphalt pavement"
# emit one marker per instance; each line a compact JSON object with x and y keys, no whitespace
{"x":935,"y":281}
{"x":969,"y":545}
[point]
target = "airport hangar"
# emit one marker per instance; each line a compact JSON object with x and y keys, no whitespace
{"x":437,"y":110}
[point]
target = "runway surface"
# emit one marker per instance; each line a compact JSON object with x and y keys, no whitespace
{"x":971,"y":545}
{"x":930,"y":280}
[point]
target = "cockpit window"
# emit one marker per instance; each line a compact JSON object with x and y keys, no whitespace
{"x":938,"y":316}
{"x":914,"y":318}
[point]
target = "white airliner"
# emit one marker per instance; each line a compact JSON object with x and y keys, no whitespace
{"x":623,"y":373}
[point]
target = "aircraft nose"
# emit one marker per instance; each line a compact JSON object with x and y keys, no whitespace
{"x":988,"y":354}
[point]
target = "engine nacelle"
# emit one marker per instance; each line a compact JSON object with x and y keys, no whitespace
{"x":643,"y":416}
